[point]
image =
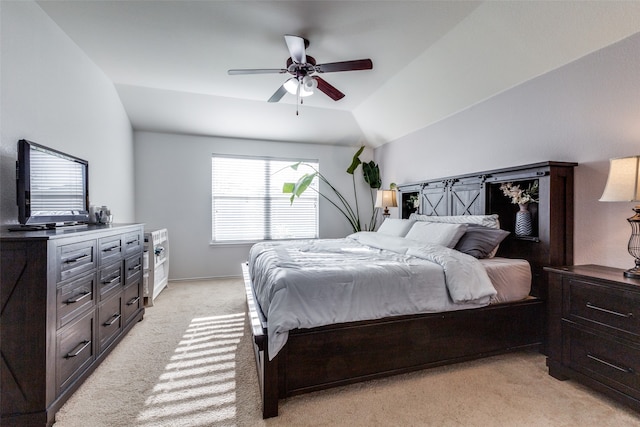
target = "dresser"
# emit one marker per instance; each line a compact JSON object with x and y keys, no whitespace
{"x":594,"y":330}
{"x":68,"y":296}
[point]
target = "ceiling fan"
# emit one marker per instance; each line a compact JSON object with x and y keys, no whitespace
{"x":304,"y":72}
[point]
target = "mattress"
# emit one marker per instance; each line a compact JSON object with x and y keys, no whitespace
{"x":305,"y":284}
{"x":510,"y":277}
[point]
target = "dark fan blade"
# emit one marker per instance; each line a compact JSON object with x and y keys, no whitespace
{"x":358,"y":64}
{"x":328,"y":89}
{"x":277,"y":96}
{"x":257,"y":71}
{"x":296,"y":47}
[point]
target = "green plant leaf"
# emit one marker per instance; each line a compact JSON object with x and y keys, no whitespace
{"x":288,"y":187}
{"x":295,"y":166}
{"x":303,"y":183}
{"x":355,"y":162}
{"x":372,"y":174}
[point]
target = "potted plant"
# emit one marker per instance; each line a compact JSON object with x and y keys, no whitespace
{"x":524,"y":223}
{"x":371,"y":175}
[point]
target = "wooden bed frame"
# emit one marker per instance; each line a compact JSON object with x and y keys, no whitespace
{"x":329,"y":356}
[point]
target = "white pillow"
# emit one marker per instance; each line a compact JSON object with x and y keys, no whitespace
{"x":490,"y":221}
{"x":437,"y":233}
{"x":395,"y":227}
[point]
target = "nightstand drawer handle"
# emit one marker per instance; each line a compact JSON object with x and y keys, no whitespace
{"x":595,"y":307}
{"x":611,"y":365}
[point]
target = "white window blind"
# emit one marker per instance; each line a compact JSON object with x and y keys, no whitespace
{"x":248,"y":204}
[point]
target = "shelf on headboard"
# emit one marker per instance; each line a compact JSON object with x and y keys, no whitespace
{"x":479,"y":194}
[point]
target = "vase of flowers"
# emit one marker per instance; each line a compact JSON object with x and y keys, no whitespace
{"x":522,"y":197}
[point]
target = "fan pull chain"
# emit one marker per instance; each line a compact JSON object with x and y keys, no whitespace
{"x":298,"y":98}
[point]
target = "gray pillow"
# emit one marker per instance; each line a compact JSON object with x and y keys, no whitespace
{"x":479,"y":241}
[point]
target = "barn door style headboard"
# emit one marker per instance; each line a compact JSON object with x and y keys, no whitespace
{"x":550,"y":243}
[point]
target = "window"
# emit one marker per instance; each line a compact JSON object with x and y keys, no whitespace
{"x":248,"y":204}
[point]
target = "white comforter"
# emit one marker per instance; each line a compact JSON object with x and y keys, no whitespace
{"x":309,"y":283}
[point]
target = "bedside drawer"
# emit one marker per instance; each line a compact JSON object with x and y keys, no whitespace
{"x":611,"y":362}
{"x":75,"y":259}
{"x":75,"y":350}
{"x":111,"y":249}
{"x":72,"y":298}
{"x":110,"y":321}
{"x":109,"y":278}
{"x":600,"y":306}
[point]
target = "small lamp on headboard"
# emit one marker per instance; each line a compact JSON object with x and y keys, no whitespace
{"x":623,"y":185}
{"x":386,"y":199}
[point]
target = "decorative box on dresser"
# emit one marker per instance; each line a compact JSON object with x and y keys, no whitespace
{"x":67,"y":297}
{"x":594,"y":330}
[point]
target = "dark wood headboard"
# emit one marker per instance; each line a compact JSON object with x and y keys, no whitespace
{"x":551,"y":242}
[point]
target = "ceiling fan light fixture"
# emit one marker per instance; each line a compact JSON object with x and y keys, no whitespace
{"x":292,"y":85}
{"x":309,"y":83}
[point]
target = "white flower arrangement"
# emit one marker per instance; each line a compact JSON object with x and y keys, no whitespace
{"x":519,"y":196}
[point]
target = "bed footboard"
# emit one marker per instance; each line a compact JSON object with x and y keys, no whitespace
{"x":339,"y":354}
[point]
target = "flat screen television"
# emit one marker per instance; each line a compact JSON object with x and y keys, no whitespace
{"x":52,"y":187}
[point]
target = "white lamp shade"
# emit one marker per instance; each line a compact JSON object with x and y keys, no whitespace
{"x":386,"y":199}
{"x":623,"y":183}
{"x":292,"y":85}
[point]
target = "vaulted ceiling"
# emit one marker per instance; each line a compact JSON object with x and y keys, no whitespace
{"x":169,"y":59}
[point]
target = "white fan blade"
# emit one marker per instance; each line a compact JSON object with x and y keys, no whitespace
{"x":296,"y":48}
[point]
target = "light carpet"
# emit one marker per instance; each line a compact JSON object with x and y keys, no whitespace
{"x":190,"y":363}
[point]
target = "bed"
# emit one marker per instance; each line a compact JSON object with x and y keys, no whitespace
{"x":347,"y":349}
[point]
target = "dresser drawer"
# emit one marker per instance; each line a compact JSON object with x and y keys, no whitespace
{"x":612,"y":362}
{"x":75,"y":350}
{"x":110,"y":320}
{"x":134,"y":242}
{"x":133,"y":268}
{"x":109,"y":278}
{"x":132,"y":299}
{"x":111,"y":249}
{"x":603,"y":306}
{"x":75,"y":259}
{"x":74,"y":297}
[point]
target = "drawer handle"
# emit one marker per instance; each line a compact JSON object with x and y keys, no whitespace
{"x":78,"y":349}
{"x":135,"y":268}
{"x":611,"y":365}
{"x":111,"y":281}
{"x":112,"y":248}
{"x":595,"y":307}
{"x":113,"y":319}
{"x":78,"y":297}
{"x":81,"y":257}
{"x":133,"y":301}
{"x":132,"y":241}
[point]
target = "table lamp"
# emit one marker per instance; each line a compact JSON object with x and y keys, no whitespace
{"x":386,"y":199}
{"x":623,"y":185}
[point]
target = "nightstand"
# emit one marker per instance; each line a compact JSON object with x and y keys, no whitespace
{"x":594,"y":329}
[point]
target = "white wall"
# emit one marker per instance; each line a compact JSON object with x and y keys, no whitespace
{"x":52,"y":94}
{"x":173,"y":188}
{"x":585,"y":112}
